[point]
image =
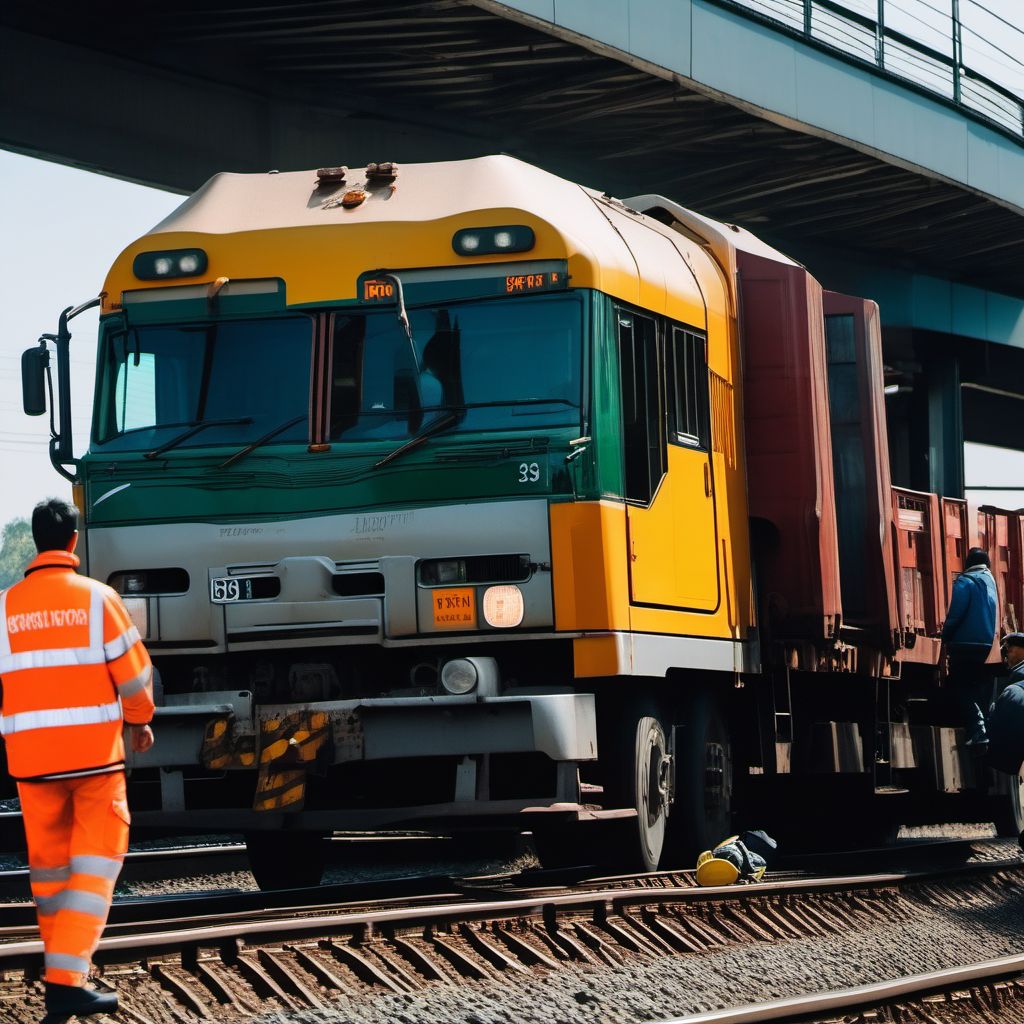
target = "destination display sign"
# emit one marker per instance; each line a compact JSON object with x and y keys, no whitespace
{"x":440,"y":284}
{"x":377,"y":290}
{"x":516,"y":284}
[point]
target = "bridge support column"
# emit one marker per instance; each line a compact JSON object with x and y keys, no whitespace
{"x":945,"y":423}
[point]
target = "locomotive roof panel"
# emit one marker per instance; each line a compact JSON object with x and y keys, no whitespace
{"x":293,"y":226}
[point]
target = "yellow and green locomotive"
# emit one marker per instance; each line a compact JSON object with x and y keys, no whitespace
{"x":433,"y":490}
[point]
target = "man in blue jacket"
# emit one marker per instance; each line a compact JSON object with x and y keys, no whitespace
{"x":967,"y":638}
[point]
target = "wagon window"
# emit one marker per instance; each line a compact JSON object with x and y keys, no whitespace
{"x":688,"y":388}
{"x":643,"y":442}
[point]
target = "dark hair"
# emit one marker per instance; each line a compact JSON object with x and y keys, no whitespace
{"x":976,"y":556}
{"x":54,"y":522}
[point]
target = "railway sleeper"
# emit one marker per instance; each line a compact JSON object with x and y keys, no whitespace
{"x":466,"y":965}
{"x":209,"y":975}
{"x":276,"y":964}
{"x":680,"y":943}
{"x":263,"y":984}
{"x":541,"y":934}
{"x":420,"y":961}
{"x":576,"y":950}
{"x":170,"y":981}
{"x":491,"y":952}
{"x":526,"y":951}
{"x":641,"y":928}
{"x":324,"y":975}
{"x":364,"y":968}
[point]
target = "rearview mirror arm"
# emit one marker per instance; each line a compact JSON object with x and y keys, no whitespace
{"x":61,"y":444}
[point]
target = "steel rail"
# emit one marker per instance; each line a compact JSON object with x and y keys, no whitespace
{"x":141,"y":864}
{"x":156,"y":855}
{"x":860,"y":995}
{"x":191,"y":933}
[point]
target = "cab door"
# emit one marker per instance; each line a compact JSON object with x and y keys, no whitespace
{"x":669,"y":486}
{"x":691,"y":470}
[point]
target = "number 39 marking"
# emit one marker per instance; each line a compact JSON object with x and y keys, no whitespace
{"x":529,"y":472}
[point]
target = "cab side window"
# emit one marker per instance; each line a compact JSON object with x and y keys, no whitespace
{"x":640,"y":377}
{"x":688,"y":388}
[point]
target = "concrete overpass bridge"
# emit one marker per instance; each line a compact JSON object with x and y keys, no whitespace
{"x":888,"y":155}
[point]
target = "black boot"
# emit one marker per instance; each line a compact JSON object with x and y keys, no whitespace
{"x":63,"y":1001}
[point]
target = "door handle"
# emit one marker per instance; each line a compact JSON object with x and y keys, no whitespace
{"x":707,"y":479}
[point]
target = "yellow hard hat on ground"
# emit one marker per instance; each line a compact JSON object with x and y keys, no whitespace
{"x":712,"y":870}
{"x":743,"y":856}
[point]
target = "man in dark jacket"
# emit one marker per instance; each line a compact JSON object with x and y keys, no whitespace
{"x":967,"y":638}
{"x":1006,"y":719}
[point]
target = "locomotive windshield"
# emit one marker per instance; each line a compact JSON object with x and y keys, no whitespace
{"x":502,"y":365}
{"x":247,"y":377}
{"x":505,"y":364}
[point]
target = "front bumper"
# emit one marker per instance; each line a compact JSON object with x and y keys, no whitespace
{"x":560,"y":725}
{"x":223,"y":732}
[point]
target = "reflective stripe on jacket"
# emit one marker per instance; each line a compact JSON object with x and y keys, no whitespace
{"x":73,"y":668}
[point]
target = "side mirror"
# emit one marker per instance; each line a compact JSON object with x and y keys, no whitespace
{"x":34,"y":364}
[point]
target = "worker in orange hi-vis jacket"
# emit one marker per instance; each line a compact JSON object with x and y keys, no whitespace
{"x":74,"y":672}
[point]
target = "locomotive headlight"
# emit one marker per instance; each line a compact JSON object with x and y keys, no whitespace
{"x":152,"y":266}
{"x":487,"y":241}
{"x":503,"y":606}
{"x":459,"y":676}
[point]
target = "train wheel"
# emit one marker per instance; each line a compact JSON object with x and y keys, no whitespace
{"x":703,"y":807}
{"x":1009,"y":810}
{"x":637,"y":777}
{"x":633,"y":754}
{"x":286,"y":860}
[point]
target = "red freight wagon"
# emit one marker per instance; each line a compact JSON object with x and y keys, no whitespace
{"x":957,"y":540}
{"x":999,"y":533}
{"x":860,"y":453}
{"x":789,"y":448}
{"x":918,"y":544}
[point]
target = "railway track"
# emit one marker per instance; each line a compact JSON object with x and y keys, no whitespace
{"x":984,"y":987}
{"x":176,"y":862}
{"x":226,"y":962}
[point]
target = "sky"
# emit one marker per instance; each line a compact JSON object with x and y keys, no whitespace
{"x":62,"y":228}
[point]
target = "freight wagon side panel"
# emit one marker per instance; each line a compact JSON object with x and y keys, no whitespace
{"x":918,"y":542}
{"x":860,"y":451}
{"x":789,"y":449}
{"x":957,"y":539}
{"x":996,"y":527}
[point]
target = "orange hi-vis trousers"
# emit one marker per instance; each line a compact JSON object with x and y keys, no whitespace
{"x":77,"y":832}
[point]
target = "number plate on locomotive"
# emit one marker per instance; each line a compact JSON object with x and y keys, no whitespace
{"x":454,"y":608}
{"x":225,"y":589}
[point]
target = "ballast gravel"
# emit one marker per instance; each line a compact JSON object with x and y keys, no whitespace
{"x":935,"y":936}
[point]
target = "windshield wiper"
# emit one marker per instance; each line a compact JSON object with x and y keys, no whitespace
{"x":252,"y":446}
{"x":194,"y":429}
{"x":448,"y":420}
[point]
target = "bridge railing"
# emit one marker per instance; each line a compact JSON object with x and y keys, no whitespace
{"x":960,"y":50}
